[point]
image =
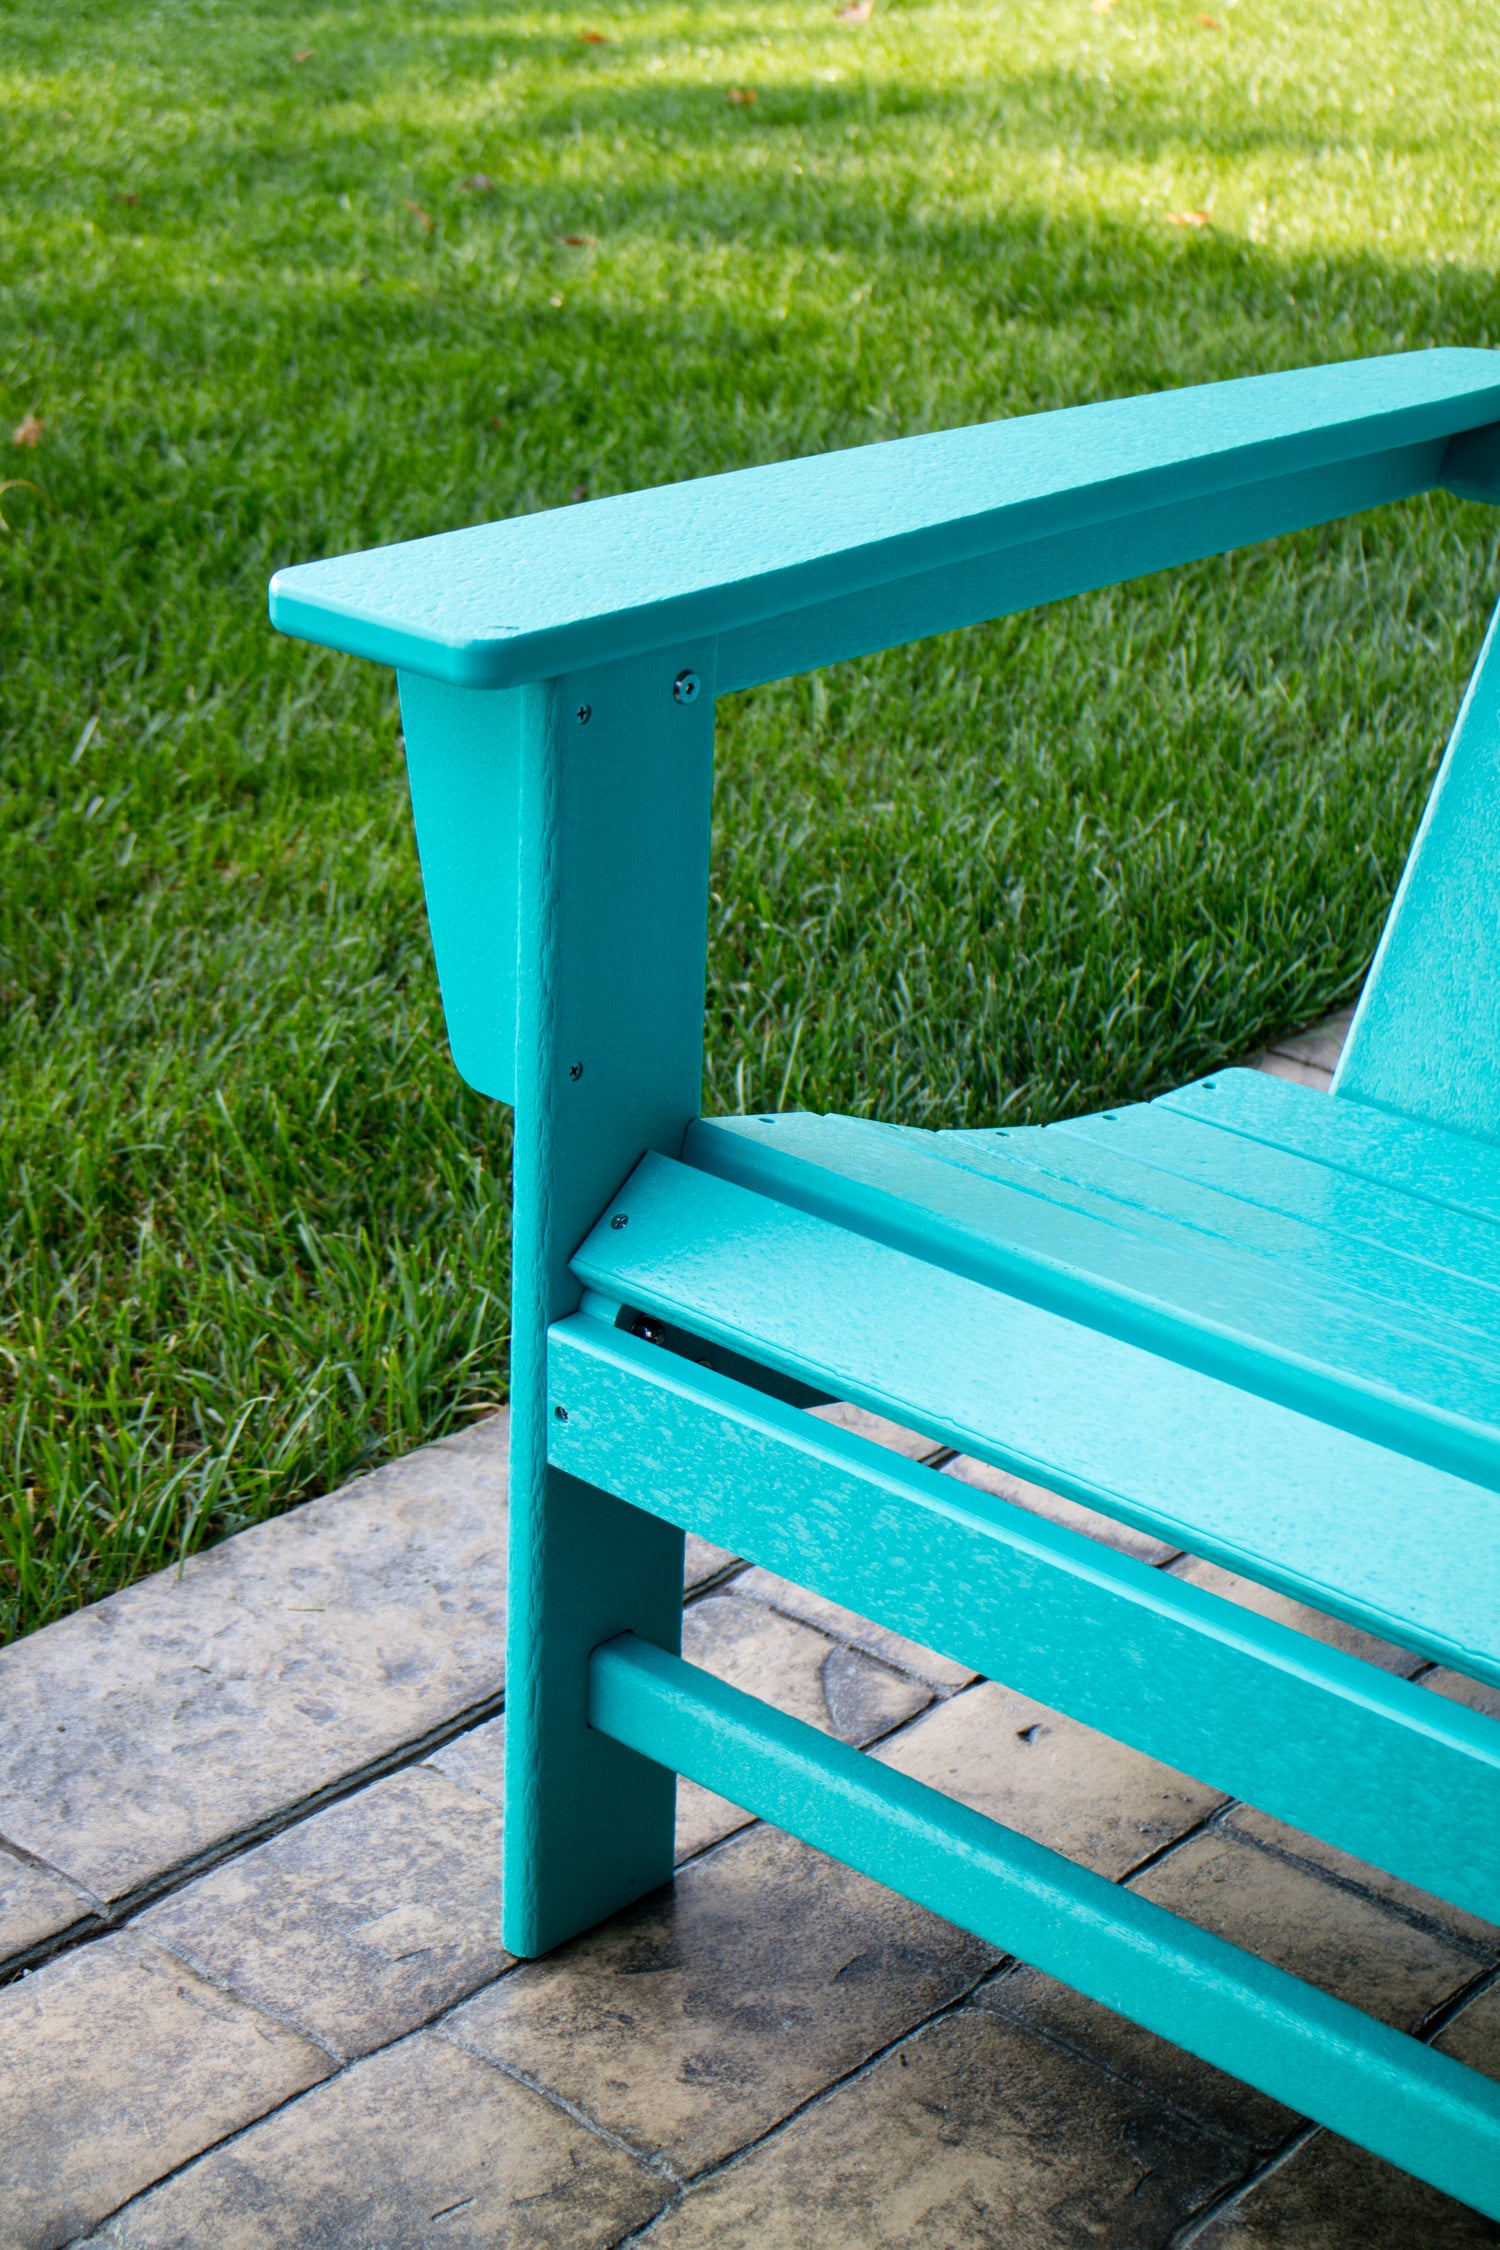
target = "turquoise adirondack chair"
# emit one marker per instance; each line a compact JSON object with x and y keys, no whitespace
{"x":1258,"y":1321}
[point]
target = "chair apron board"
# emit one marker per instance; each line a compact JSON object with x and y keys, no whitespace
{"x":1259,"y":1322}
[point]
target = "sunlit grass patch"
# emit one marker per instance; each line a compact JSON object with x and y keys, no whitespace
{"x":254,"y":1232}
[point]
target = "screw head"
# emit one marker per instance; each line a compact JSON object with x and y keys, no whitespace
{"x":585,"y":713}
{"x":575,"y":1072}
{"x":620,"y":1219}
{"x":559,"y":1414}
{"x":685,"y":687}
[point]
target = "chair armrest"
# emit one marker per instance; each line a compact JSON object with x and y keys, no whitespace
{"x":799,"y":563}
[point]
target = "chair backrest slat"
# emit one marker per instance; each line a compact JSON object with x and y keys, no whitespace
{"x":1426,"y":1038}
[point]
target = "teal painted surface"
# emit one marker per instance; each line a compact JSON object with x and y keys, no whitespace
{"x":1301,"y":1337}
{"x":1337,"y":1520}
{"x":1347,"y":1212}
{"x":561,"y":793}
{"x":1323,"y":2058}
{"x":613,"y":912}
{"x":1384,"y":1769}
{"x":1358,"y":1270}
{"x":1405,"y":1154}
{"x":1426,"y":1036}
{"x":463,"y":760}
{"x":529,"y":599}
{"x":1011,"y":578}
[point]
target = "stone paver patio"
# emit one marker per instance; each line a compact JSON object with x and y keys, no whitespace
{"x":255,"y":1996}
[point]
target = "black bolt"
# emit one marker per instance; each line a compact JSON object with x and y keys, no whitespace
{"x":620,"y":1219}
{"x":585,"y":713}
{"x":575,"y":1072}
{"x":685,"y":687}
{"x":559,"y":1414}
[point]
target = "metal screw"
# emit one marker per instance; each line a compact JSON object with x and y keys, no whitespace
{"x":559,"y":1414}
{"x":685,"y":687}
{"x":575,"y":1072}
{"x":585,"y":713}
{"x":649,"y":1333}
{"x":620,"y":1219}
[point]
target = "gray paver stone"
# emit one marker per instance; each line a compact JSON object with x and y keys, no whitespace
{"x":974,"y":2135}
{"x":34,"y":1905}
{"x":1319,"y":1046}
{"x":1095,"y":1799}
{"x":702,"y":1560}
{"x":360,"y":1923}
{"x":1473,"y":2036}
{"x":1267,"y":1603}
{"x":421,"y":2143}
{"x":877,"y":1428}
{"x":1164,"y":2072}
{"x":835,"y":1689}
{"x":1329,"y":2195}
{"x":118,"y":2063}
{"x":476,"y":1758}
{"x":1071,"y":1514}
{"x":857,"y":1632}
{"x":275,"y":1664}
{"x":1483,"y":1936}
{"x":1459,"y":1688}
{"x":696,"y":2020}
{"x":704,"y":1818}
{"x":1352,"y":1946}
{"x":1300,"y":1073}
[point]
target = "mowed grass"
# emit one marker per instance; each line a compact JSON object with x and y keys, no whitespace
{"x":282,"y":280}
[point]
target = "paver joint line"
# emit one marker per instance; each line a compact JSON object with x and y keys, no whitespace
{"x":1427,"y":1923}
{"x":287,"y":2022}
{"x":176,"y":1878}
{"x":1193,"y":2229}
{"x":652,"y":2159}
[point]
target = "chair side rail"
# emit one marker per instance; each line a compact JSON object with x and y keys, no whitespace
{"x":1387,"y":1770}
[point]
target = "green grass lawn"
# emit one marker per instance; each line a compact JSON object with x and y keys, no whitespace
{"x":281,"y":280}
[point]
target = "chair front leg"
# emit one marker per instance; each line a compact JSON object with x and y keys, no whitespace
{"x":615,"y":780}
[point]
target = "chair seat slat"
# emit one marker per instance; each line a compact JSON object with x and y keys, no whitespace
{"x":1357,"y":1270}
{"x":1345,"y":1206}
{"x":1402,"y":1153}
{"x":1411,"y":1550}
{"x":1323,"y":1349}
